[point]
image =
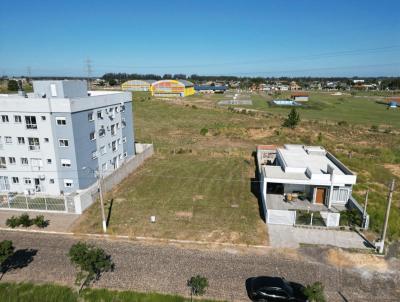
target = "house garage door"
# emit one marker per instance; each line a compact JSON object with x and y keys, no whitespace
{"x":281,"y":217}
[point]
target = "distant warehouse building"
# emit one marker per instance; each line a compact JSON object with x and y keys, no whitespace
{"x":299,"y":96}
{"x":137,"y":85}
{"x":210,"y":89}
{"x":170,"y":88}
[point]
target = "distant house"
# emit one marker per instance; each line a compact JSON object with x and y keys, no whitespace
{"x":305,"y":178}
{"x":283,"y":87}
{"x":210,"y":89}
{"x":294,"y":86}
{"x":299,"y":96}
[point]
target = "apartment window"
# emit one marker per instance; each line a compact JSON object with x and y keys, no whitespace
{"x":46,"y":139}
{"x":8,"y":139}
{"x":63,"y":142}
{"x":11,"y":160}
{"x":114,"y":146}
{"x":33,"y":143}
{"x":120,"y":156}
{"x":117,"y":109}
{"x":102,"y":131}
{"x":99,"y":114}
{"x":104,"y":167}
{"x":21,"y":140}
{"x":17,"y":119}
{"x":3,"y":162}
{"x":15,"y":180}
{"x":118,"y":141}
{"x":90,"y":117}
{"x":103,"y":150}
{"x":66,"y":163}
{"x":125,"y":154}
{"x":62,"y":121}
{"x":113,"y":132}
{"x":122,"y":108}
{"x":27,"y":181}
{"x":68,"y":183}
{"x":4,"y":118}
{"x":43,"y":118}
{"x":94,"y":154}
{"x":123,"y":123}
{"x":124,"y":139}
{"x":92,"y":136}
{"x":51,"y":180}
{"x":24,"y":161}
{"x":49,"y":161}
{"x":30,"y":122}
{"x":118,"y":125}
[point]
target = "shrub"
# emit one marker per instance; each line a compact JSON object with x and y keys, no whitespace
{"x":25,"y":221}
{"x":315,"y":292}
{"x":292,"y":120}
{"x":343,"y":123}
{"x":194,"y":107}
{"x":12,"y":222}
{"x":203,"y":131}
{"x":374,"y":128}
{"x":198,"y":285}
{"x":40,"y":222}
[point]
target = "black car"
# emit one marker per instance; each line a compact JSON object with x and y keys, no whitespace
{"x":266,"y":289}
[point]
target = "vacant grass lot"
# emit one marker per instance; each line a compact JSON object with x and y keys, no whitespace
{"x":364,"y":110}
{"x":199,"y":186}
{"x":27,"y":292}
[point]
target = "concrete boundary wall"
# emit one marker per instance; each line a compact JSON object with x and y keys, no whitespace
{"x":85,"y":198}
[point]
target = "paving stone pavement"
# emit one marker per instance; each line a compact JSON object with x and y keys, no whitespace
{"x":165,"y":268}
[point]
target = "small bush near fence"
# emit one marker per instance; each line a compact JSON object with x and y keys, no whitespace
{"x":350,"y":218}
{"x":25,"y":221}
{"x":305,"y":217}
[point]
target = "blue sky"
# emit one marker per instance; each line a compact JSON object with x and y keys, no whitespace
{"x":245,"y":38}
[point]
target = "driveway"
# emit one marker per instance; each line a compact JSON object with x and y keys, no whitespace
{"x":165,"y":268}
{"x":286,"y":236}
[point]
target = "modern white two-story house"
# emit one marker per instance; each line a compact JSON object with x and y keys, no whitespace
{"x":297,"y":177}
{"x":52,"y":140}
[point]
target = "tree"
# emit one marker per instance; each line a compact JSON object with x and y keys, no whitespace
{"x":91,"y":261}
{"x":198,"y":285}
{"x":315,"y":292}
{"x":112,"y":82}
{"x":292,"y":120}
{"x":12,"y":85}
{"x":6,"y":251}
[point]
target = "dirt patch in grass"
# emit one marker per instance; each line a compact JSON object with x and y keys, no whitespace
{"x":345,"y":259}
{"x":395,"y":169}
{"x":183,"y":214}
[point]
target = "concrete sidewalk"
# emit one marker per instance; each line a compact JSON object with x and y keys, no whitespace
{"x":59,"y":222}
{"x":291,"y":237}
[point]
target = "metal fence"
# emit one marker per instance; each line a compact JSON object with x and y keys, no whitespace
{"x":33,"y":202}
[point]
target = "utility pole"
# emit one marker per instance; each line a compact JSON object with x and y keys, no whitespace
{"x":365,"y":209}
{"x":89,"y":71}
{"x":103,"y":216}
{"x":383,"y":237}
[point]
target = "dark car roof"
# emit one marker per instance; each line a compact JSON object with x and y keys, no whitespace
{"x":263,"y":282}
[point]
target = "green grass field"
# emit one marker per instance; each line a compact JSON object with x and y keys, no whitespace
{"x":199,"y":186}
{"x":28,"y":292}
{"x":324,"y":106}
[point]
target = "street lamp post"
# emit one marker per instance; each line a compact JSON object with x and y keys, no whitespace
{"x":99,"y":179}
